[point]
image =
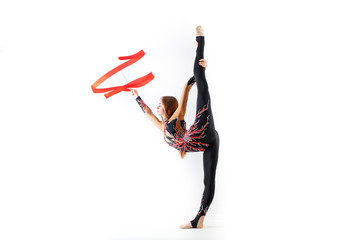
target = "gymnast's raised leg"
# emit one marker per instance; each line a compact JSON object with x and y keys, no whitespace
{"x":211,"y":137}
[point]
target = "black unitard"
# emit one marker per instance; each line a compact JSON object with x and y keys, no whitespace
{"x":210,"y":156}
{"x":201,"y":136}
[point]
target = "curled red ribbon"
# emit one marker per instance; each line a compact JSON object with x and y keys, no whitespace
{"x":139,"y":82}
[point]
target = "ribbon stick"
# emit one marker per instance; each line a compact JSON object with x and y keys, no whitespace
{"x":139,"y":82}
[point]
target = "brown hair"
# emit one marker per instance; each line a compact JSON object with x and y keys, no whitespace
{"x":170,"y":105}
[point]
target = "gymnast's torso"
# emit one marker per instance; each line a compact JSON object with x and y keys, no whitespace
{"x":191,"y":140}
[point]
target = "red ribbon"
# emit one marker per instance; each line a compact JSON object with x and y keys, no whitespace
{"x":139,"y":82}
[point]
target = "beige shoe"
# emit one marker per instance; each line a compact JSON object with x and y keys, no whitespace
{"x":188,"y":225}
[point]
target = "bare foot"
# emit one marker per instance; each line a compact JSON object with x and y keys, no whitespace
{"x":200,"y":224}
{"x":199,"y":31}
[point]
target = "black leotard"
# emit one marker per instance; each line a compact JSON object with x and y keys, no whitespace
{"x":193,"y":139}
{"x":201,"y":136}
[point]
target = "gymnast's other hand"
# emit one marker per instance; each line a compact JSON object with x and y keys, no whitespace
{"x":203,"y":63}
{"x":134,"y":93}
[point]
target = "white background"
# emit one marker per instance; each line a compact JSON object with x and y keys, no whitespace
{"x":284,"y":82}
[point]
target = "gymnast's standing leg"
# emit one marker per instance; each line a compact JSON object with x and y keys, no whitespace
{"x":211,"y":137}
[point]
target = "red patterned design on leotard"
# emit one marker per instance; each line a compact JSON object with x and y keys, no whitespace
{"x":192,"y":139}
{"x":142,"y":104}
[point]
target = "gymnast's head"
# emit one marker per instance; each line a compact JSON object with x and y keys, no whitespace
{"x":167,"y":106}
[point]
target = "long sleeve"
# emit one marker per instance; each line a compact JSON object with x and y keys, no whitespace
{"x":191,"y":81}
{"x":148,"y":113}
{"x":142,"y":104}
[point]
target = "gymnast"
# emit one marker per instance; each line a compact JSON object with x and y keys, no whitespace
{"x":200,"y":137}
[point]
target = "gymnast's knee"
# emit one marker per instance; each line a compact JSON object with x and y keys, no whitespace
{"x":202,"y":85}
{"x":209,"y":184}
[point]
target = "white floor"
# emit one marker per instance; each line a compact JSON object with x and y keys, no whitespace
{"x":214,"y":229}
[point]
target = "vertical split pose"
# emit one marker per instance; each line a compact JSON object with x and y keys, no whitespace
{"x":200,"y":137}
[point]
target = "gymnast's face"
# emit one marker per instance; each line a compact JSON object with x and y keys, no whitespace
{"x":160,"y":109}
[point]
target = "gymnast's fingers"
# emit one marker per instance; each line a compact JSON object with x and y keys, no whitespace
{"x":203,"y":63}
{"x":134,"y":93}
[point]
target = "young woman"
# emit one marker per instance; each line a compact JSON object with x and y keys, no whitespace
{"x":200,"y":137}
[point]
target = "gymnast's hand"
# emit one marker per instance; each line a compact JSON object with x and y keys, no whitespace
{"x":134,"y":93}
{"x":203,"y":63}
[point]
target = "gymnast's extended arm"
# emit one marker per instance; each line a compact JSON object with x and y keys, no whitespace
{"x":181,"y":110}
{"x":149,"y":114}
